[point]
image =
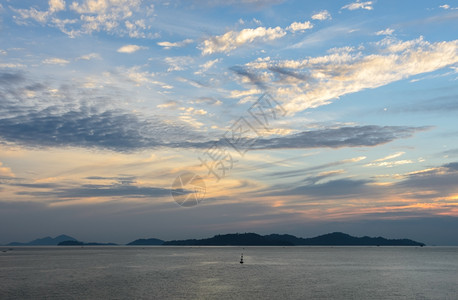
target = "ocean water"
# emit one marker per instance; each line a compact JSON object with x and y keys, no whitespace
{"x":215,"y":273}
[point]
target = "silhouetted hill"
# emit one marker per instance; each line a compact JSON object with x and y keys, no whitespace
{"x":330,"y":239}
{"x":240,"y":239}
{"x":71,"y":243}
{"x":146,"y":242}
{"x":46,"y":241}
{"x":78,"y":243}
{"x":343,"y":239}
{"x":235,"y":239}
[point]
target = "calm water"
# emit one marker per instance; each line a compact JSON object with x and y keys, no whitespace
{"x":215,"y":273}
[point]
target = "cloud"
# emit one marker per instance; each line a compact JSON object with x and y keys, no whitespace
{"x":335,"y":189}
{"x":439,"y":182}
{"x":439,"y":104}
{"x":89,"y":56}
{"x":389,"y":164}
{"x":8,"y":78}
{"x":348,"y":70}
{"x":359,"y":136}
{"x":96,"y":121}
{"x":207,"y":101}
{"x":447,"y":7}
{"x":209,"y":64}
{"x":110,"y":129}
{"x":206,"y":66}
{"x":431,"y":191}
{"x":97,"y":188}
{"x":121,"y":190}
{"x":121,"y":17}
{"x":314,"y":169}
{"x":55,"y":61}
{"x":41,"y":16}
{"x":322,"y":15}
{"x":33,"y":124}
{"x":90,"y":127}
{"x":137,"y":76}
{"x":359,"y":5}
{"x":32,"y":13}
{"x":237,"y":3}
{"x":168,"y":104}
{"x":297,"y":26}
{"x":5,"y":171}
{"x":169,"y":45}
{"x":451,"y":166}
{"x":88,"y":122}
{"x":178,"y":63}
{"x":387,"y":31}
{"x":232,"y":40}
{"x":56,"y":5}
{"x":11,"y":66}
{"x":395,"y":155}
{"x":130,"y":48}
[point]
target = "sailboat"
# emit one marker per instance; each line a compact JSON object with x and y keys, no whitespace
{"x":241,"y":259}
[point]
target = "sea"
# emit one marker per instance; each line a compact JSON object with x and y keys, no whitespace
{"x":161,"y":272}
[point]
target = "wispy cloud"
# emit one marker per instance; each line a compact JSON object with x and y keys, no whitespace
{"x":389,"y":164}
{"x":395,"y":155}
{"x":334,"y":189}
{"x":448,"y":7}
{"x":77,"y":122}
{"x":178,"y":63}
{"x":89,"y":56}
{"x":87,"y":125}
{"x":130,"y":48}
{"x":89,"y":190}
{"x":206,"y":66}
{"x":55,"y":61}
{"x":169,"y":45}
{"x":238,"y":3}
{"x":313,"y":170}
{"x":6,"y":171}
{"x":348,"y":70}
{"x":387,"y":31}
{"x":358,"y":136}
{"x":122,"y":17}
{"x":231,"y":40}
{"x":298,"y":26}
{"x":322,"y":15}
{"x":359,"y":5}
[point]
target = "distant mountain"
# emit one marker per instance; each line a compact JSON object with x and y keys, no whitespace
{"x":330,"y":239}
{"x":78,"y":243}
{"x":46,"y":241}
{"x":146,"y":242}
{"x":239,"y":239}
{"x":343,"y":239}
{"x":235,"y":239}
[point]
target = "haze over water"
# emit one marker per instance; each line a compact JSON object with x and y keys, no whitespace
{"x":215,"y":273}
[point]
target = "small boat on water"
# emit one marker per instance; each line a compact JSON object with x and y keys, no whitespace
{"x":241,"y":259}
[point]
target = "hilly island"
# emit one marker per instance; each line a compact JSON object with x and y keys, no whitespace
{"x":238,"y":239}
{"x":330,"y":239}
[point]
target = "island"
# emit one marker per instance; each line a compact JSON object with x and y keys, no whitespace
{"x":78,"y":243}
{"x":239,"y":239}
{"x":46,"y":241}
{"x":146,"y":242}
{"x":330,"y":239}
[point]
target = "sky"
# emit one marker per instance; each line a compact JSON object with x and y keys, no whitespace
{"x":299,"y":117}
